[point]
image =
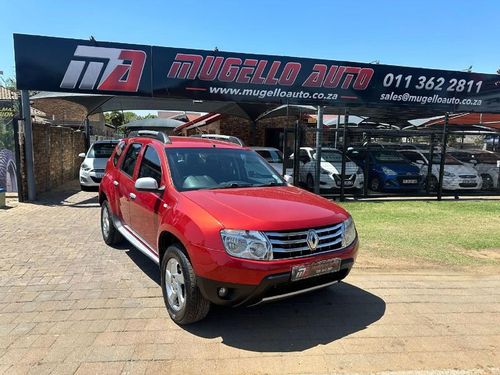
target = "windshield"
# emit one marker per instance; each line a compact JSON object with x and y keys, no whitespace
{"x":101,"y":150}
{"x":271,"y":156}
{"x":387,"y":156}
{"x":216,"y":168}
{"x":449,"y":160}
{"x":330,"y":156}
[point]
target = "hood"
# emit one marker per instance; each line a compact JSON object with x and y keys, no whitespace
{"x":400,"y":168}
{"x":335,"y":168}
{"x":96,"y":163}
{"x":267,"y":208}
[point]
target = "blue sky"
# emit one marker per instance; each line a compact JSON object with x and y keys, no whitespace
{"x":447,"y":34}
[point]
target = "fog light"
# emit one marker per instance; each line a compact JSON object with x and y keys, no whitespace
{"x":222,"y":292}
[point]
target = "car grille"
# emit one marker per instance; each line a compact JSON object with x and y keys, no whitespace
{"x":467,"y":184}
{"x":96,"y":179}
{"x":293,"y":244}
{"x":469,"y":176}
{"x":347,"y":177}
{"x":99,"y":170}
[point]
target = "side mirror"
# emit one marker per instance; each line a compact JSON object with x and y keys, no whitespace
{"x":81,"y":154}
{"x":147,"y":184}
{"x":288,"y":179}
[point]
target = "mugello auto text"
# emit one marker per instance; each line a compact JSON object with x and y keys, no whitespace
{"x":266,"y":72}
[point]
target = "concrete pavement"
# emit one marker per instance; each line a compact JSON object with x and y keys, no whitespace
{"x":70,"y":304}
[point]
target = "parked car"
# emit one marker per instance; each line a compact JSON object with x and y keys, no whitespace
{"x":94,"y":163}
{"x":388,"y":170}
{"x":331,"y":168}
{"x":484,"y":162}
{"x":222,"y":230}
{"x":272,"y":155}
{"x":221,"y":137}
{"x":457,"y":176}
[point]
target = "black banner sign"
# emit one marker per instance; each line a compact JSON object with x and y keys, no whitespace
{"x":69,"y":65}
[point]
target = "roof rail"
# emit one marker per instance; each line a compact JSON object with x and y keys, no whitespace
{"x":158,"y":135}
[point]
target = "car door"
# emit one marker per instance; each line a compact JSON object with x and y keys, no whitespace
{"x":146,"y":207}
{"x":125,"y":181}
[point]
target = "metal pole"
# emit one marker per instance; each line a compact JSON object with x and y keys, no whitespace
{"x":337,"y":130}
{"x":285,"y":156}
{"x":344,"y":152}
{"x":319,"y":130}
{"x":429,"y":167}
{"x":443,"y":156}
{"x":28,"y":144}
{"x":296,"y":156}
{"x":87,"y":133}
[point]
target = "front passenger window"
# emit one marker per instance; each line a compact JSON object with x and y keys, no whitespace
{"x":150,"y":165}
{"x":131,"y":156}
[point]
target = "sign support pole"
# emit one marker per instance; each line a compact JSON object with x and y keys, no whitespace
{"x":87,"y":133}
{"x":443,"y":156}
{"x":319,"y":133}
{"x":344,"y":158}
{"x":28,"y":145}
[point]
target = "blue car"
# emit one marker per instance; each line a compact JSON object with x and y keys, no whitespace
{"x":388,"y":170}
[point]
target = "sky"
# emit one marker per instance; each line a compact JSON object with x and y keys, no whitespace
{"x":445,"y":34}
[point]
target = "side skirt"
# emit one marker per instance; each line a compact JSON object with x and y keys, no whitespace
{"x":135,"y":240}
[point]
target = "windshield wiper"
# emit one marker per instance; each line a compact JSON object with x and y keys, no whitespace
{"x":274,"y":183}
{"x":232,"y":185}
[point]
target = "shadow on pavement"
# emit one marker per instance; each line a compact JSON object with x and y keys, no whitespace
{"x":295,"y":324}
{"x":147,"y":266}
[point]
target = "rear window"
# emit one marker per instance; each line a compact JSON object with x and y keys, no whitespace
{"x":271,"y":156}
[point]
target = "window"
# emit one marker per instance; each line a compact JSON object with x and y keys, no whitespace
{"x":119,"y":151}
{"x":130,"y":159}
{"x":150,"y":165}
{"x":219,"y":168}
{"x":271,"y":156}
{"x":101,"y":150}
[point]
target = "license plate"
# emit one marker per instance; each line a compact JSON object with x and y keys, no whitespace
{"x":471,"y":182}
{"x":348,"y":183}
{"x":322,"y":267}
{"x":99,"y":175}
{"x":409,"y":181}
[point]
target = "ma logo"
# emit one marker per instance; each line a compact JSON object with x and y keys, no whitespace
{"x":121,"y":69}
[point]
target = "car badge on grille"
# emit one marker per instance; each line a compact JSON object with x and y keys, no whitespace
{"x":312,"y":239}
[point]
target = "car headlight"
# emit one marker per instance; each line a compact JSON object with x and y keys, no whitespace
{"x":449,"y":174}
{"x":389,"y":171}
{"x":349,"y":232}
{"x":247,"y":244}
{"x":86,"y":168}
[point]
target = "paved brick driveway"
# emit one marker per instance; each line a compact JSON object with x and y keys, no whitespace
{"x":69,"y":303}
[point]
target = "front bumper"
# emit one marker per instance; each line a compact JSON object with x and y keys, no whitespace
{"x":273,"y":287}
{"x":250,"y":281}
{"x":91,"y":178}
{"x":399,"y":182}
{"x":457,"y":183}
{"x":333,"y":182}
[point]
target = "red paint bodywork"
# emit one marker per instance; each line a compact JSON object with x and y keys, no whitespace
{"x":197,"y":217}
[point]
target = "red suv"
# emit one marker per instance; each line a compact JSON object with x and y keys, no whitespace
{"x":223,"y":226}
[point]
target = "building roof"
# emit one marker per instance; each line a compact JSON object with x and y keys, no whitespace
{"x":200,"y":121}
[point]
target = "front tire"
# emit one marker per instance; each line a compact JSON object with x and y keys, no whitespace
{"x":109,"y":232}
{"x":183,"y":299}
{"x":375,"y":184}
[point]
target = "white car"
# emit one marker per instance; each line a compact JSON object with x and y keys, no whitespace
{"x":273,"y":156}
{"x":485,"y":162}
{"x":331,"y":167}
{"x":94,"y":163}
{"x":457,"y":176}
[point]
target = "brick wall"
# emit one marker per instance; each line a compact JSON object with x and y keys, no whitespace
{"x":55,"y":154}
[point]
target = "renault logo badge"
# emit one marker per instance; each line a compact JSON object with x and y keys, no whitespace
{"x":312,"y":239}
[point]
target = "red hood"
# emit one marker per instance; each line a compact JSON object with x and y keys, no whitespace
{"x":268,"y":208}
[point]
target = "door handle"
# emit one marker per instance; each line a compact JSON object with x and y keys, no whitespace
{"x":116,"y":183}
{"x":132,"y":196}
